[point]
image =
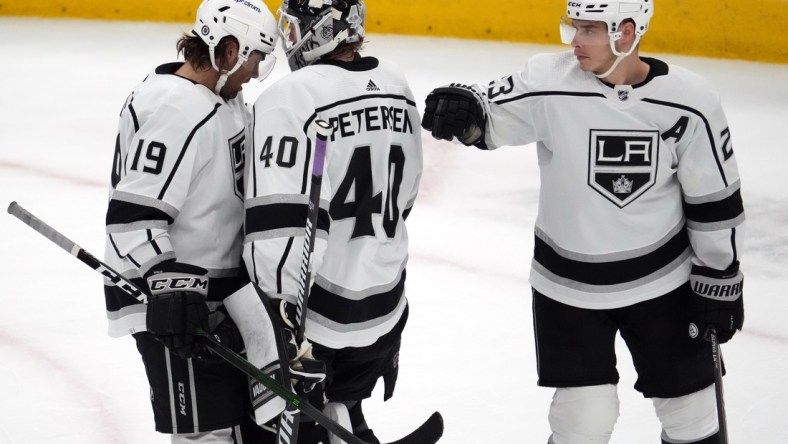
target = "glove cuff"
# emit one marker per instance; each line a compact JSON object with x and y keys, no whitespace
{"x":171,"y":276}
{"x":720,"y":285}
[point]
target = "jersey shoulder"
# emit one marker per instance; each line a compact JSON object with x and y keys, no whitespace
{"x":169,"y":96}
{"x":689,"y":89}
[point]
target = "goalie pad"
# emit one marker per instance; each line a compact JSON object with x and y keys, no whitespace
{"x":261,"y":329}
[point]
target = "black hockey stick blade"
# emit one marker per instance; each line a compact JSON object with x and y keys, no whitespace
{"x":716,"y":354}
{"x":428,"y":433}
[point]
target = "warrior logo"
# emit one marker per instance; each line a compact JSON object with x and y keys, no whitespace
{"x":623,"y":164}
{"x":237,"y":158}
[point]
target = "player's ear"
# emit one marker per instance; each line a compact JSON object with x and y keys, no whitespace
{"x":229,"y":54}
{"x":628,"y":30}
{"x":628,"y":35}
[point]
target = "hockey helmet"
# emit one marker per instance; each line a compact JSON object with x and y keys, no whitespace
{"x":612,"y":13}
{"x":311,"y":29}
{"x":249,"y":21}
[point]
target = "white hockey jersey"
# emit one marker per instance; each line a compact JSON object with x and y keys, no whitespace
{"x":637,"y":182}
{"x":177,"y":189}
{"x":372,"y":171}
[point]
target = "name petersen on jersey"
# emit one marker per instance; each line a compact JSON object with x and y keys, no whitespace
{"x":374,"y":118}
{"x":623,"y":164}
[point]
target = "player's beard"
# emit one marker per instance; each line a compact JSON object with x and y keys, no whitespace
{"x":228,"y":93}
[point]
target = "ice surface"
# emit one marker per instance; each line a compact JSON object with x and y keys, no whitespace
{"x":468,"y":349}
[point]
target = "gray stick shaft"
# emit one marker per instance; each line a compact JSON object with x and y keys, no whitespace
{"x":75,"y":250}
{"x":48,"y":232}
{"x":716,"y":354}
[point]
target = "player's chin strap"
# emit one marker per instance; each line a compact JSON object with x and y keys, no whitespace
{"x":619,"y":55}
{"x":223,"y":73}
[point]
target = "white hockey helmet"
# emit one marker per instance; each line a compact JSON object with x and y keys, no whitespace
{"x":311,"y":29}
{"x":613,"y":14}
{"x":249,"y":21}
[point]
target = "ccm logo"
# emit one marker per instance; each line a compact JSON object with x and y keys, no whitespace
{"x":178,"y":283}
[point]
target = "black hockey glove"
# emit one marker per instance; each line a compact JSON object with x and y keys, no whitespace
{"x":176,"y":307}
{"x":456,"y":111}
{"x":716,"y":301}
{"x":224,"y":330}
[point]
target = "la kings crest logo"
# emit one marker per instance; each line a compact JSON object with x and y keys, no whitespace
{"x":237,"y":159}
{"x":623,"y":164}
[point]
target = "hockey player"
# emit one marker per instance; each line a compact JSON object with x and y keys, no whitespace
{"x":640,"y":219}
{"x":174,"y":222}
{"x":357,"y":308}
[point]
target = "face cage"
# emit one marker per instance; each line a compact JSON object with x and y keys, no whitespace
{"x":290,"y":29}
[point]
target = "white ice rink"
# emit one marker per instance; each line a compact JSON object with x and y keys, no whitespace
{"x":468,"y":350}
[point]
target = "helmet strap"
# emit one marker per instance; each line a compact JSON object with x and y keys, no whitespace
{"x":223,"y":74}
{"x":619,"y":55}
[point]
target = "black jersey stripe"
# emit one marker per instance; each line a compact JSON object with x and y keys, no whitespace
{"x":117,"y":252}
{"x":706,"y":123}
{"x":281,"y":266}
{"x":133,"y":115}
{"x":122,"y":212}
{"x":548,"y":93}
{"x":183,"y":150}
{"x":733,"y":245}
{"x":153,"y":242}
{"x":358,"y":99}
{"x":346,"y":311}
{"x":276,"y":216}
{"x":612,"y":272}
{"x":719,"y":211}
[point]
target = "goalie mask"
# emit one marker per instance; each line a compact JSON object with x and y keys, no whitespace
{"x":311,"y":29}
{"x":250,"y":22}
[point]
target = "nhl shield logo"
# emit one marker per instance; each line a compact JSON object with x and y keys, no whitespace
{"x":623,"y":164}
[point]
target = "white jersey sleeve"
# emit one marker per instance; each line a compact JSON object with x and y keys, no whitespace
{"x":709,"y":177}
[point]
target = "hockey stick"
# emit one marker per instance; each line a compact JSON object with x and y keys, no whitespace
{"x":716,"y":354}
{"x":323,"y":130}
{"x":428,"y":433}
{"x":288,"y":420}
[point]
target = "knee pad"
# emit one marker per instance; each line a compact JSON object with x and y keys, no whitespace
{"x":688,"y":418}
{"x":583,"y":414}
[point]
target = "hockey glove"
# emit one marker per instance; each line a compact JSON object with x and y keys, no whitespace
{"x":716,"y":301}
{"x":176,"y":307}
{"x":224,"y":330}
{"x":306,"y":372}
{"x":456,"y":111}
